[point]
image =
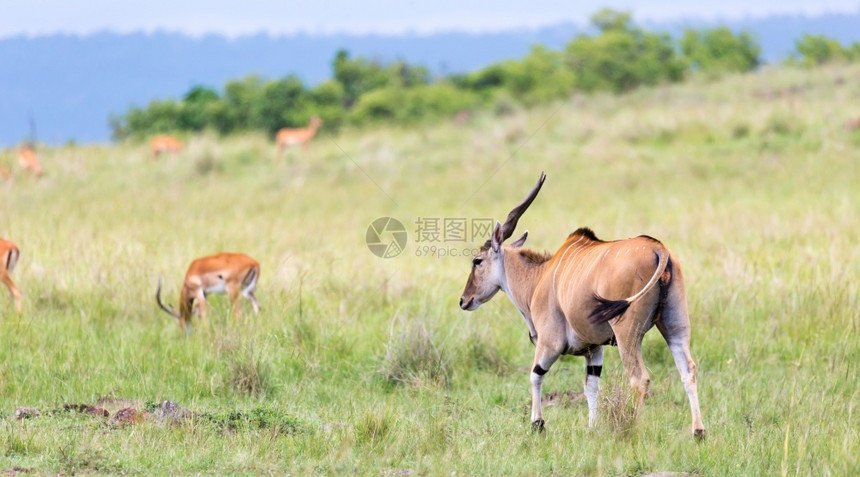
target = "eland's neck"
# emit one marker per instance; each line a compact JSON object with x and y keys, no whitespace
{"x":523,"y":269}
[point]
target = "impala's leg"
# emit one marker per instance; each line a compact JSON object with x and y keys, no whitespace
{"x":233,"y":292}
{"x":201,"y":307}
{"x":251,"y":296}
{"x":674,"y":325}
{"x":248,"y":292}
{"x":13,"y":290}
{"x":545,"y":356}
{"x":593,"y":367}
{"x":186,"y":308}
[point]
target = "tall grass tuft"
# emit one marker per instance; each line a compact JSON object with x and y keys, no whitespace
{"x":373,"y":427}
{"x":411,"y":356}
{"x":248,"y":375}
{"x":618,"y":409}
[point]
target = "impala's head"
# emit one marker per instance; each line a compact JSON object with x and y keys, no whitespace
{"x":488,"y":272}
{"x":315,"y":122}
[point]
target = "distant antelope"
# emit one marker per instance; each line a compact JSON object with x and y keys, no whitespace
{"x":462,"y":117}
{"x":287,"y":137}
{"x":4,"y":173}
{"x":29,"y":161}
{"x":8,"y":259}
{"x":230,"y":273}
{"x":573,"y":303}
{"x":164,"y":144}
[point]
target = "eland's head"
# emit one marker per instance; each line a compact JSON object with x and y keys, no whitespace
{"x":488,"y":274}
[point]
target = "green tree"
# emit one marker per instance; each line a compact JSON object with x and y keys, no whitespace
{"x":357,"y":76}
{"x":195,"y":114}
{"x":399,"y":105}
{"x":719,"y":50}
{"x":622,"y":56}
{"x":242,"y":98}
{"x":608,"y":19}
{"x":539,"y":77}
{"x":282,"y":103}
{"x":326,"y":101}
{"x":401,"y":73}
{"x":818,"y":49}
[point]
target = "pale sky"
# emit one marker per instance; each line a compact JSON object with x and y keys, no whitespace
{"x":236,"y":18}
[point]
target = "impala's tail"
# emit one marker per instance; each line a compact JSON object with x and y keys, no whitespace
{"x":608,"y":309}
{"x":169,"y":309}
{"x":250,"y":279}
{"x":11,"y":259}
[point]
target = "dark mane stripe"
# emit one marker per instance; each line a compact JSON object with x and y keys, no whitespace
{"x":650,"y":238}
{"x":534,"y":256}
{"x":585,"y":232}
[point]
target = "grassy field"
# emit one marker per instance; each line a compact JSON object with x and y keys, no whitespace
{"x":363,"y":365}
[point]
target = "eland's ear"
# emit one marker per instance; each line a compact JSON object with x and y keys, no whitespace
{"x":496,"y":239}
{"x":520,"y":241}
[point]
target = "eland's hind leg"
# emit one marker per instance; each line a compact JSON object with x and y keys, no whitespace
{"x":629,"y":331}
{"x":674,"y":325}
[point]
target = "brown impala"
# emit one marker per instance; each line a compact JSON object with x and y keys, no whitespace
{"x":287,"y":137}
{"x":588,"y":294}
{"x":164,"y":144}
{"x":8,"y":258}
{"x":230,"y":273}
{"x":29,"y":161}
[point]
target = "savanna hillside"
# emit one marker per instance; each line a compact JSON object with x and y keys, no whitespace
{"x":358,"y":364}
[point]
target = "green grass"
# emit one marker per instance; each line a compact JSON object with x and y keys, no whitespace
{"x":362,"y":365}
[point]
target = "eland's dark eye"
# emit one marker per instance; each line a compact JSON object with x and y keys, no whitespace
{"x":477,"y":261}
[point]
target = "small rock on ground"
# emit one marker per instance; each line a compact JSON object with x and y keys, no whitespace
{"x":127,"y":415}
{"x":27,"y":413}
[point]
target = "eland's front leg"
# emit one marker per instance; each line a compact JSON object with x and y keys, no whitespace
{"x":544,"y":358}
{"x":593,"y":368}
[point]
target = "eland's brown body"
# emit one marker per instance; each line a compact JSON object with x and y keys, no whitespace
{"x":588,"y":294}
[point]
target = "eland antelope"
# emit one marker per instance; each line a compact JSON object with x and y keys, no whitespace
{"x":287,"y":137}
{"x":230,"y":273}
{"x":8,"y":259}
{"x":589,"y":294}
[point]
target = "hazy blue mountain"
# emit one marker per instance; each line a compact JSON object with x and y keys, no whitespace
{"x":70,"y":85}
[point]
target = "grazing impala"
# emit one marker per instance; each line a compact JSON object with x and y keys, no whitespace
{"x":8,"y":258}
{"x":287,"y":137}
{"x":4,"y":173}
{"x":588,"y":294}
{"x":29,"y":161}
{"x":164,"y":144}
{"x":230,"y":273}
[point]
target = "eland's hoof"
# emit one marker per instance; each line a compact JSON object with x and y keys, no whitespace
{"x":537,"y":426}
{"x":699,"y":434}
